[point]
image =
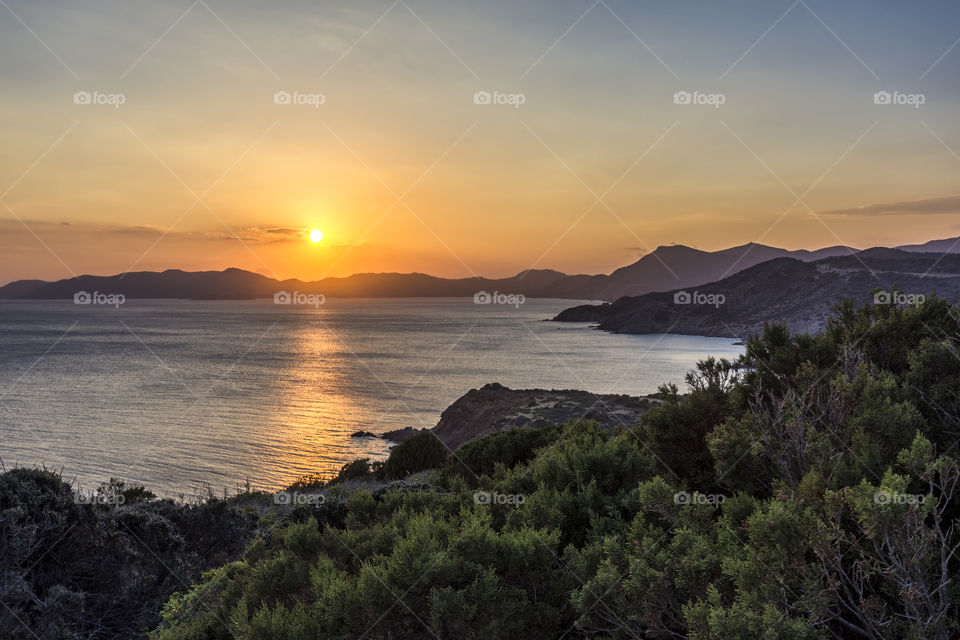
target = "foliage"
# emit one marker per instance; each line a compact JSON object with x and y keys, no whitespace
{"x":507,"y":448}
{"x":421,"y":452}
{"x":101,"y":565}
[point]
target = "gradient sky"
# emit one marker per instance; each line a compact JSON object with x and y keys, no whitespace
{"x":199,"y":168}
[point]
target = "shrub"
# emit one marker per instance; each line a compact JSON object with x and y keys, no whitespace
{"x":76,"y":568}
{"x":508,"y":448}
{"x":352,"y":470}
{"x":421,"y":452}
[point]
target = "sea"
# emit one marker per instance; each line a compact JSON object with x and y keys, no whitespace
{"x":190,"y":397}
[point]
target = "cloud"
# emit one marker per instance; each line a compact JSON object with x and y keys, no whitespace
{"x":83,"y":232}
{"x":266,"y":235}
{"x":949,"y":204}
{"x":137,"y":229}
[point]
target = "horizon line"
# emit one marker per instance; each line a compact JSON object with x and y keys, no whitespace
{"x":520,"y":273}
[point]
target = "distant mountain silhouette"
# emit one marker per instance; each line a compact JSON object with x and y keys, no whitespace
{"x":675,"y":267}
{"x":949,"y":245}
{"x":800,"y":294}
{"x":237,"y":284}
{"x":21,"y":288}
{"x":667,"y":268}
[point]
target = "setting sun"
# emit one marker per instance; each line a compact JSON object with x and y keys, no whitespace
{"x":316,"y":235}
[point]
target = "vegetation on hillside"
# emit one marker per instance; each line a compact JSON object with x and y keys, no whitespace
{"x":808,"y":490}
{"x":100,"y":565}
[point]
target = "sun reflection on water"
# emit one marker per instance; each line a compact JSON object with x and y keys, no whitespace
{"x":309,"y":428}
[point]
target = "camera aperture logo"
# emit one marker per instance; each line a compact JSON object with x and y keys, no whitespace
{"x":899,"y":298}
{"x":314,"y":100}
{"x":300,"y":299}
{"x":99,"y":98}
{"x":685,"y":297}
{"x":899,"y":99}
{"x":101,"y":299}
{"x":297,"y":499}
{"x":715,"y":100}
{"x":485,"y":297}
{"x":515,"y":100}
{"x":488,"y":497}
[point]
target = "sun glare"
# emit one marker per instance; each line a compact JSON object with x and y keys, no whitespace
{"x":316,"y":235}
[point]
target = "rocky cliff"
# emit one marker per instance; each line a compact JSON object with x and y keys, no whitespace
{"x":493,"y":407}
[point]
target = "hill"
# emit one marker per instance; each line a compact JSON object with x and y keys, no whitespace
{"x":667,"y":268}
{"x":237,"y":284}
{"x":800,"y":294}
{"x":494,"y":408}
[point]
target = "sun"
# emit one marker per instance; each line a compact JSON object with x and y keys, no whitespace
{"x":316,"y":235}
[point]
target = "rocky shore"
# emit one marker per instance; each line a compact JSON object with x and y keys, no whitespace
{"x":801,"y":295}
{"x":494,"y":407}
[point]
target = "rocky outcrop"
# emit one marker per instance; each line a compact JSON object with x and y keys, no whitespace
{"x":398,"y":436}
{"x":494,"y":407}
{"x":401,"y":435}
{"x":801,"y":295}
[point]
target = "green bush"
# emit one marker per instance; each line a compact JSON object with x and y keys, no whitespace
{"x":100,"y":566}
{"x":508,"y":448}
{"x":421,"y":452}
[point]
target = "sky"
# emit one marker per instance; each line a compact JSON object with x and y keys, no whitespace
{"x":467,"y":138}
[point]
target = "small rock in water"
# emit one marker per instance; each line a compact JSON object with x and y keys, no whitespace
{"x":401,"y":435}
{"x":363,"y":434}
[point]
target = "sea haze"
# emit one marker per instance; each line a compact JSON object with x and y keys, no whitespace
{"x":179,"y":395}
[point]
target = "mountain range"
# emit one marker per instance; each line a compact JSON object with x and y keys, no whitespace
{"x":800,"y":294}
{"x":668,"y":268}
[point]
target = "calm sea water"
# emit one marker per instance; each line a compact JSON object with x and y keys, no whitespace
{"x":179,"y":395}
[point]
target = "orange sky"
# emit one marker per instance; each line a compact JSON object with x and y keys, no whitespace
{"x":203,"y":166}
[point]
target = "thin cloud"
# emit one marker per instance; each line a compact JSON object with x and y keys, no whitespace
{"x":265,"y":235}
{"x":138,"y":229}
{"x":949,"y":204}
